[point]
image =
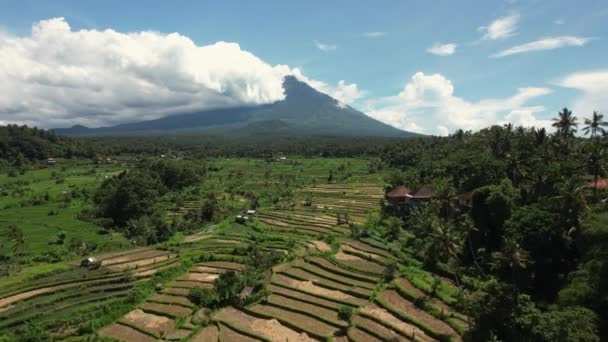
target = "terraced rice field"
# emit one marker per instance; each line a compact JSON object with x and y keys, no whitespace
{"x":305,"y":294}
{"x":66,"y":292}
{"x":159,"y":314}
{"x":269,"y":329}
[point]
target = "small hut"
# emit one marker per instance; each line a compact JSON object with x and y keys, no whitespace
{"x":245,"y":293}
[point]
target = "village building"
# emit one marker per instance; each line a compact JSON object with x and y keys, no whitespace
{"x":245,"y":293}
{"x":403,"y":199}
{"x":51,"y":161}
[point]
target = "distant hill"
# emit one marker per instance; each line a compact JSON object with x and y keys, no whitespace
{"x":304,"y":111}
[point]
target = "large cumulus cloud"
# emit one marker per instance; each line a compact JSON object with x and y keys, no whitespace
{"x":59,"y":77}
{"x":427,"y":104}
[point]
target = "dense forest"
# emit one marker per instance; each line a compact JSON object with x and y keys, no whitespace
{"x":529,"y":248}
{"x":532,"y":246}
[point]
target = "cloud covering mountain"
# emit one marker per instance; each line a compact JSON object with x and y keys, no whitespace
{"x":59,"y":77}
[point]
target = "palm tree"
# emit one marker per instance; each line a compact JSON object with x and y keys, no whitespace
{"x":511,"y":257}
{"x":565,"y":123}
{"x":595,"y":125}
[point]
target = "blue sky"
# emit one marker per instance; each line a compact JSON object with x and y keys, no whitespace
{"x":495,"y":61}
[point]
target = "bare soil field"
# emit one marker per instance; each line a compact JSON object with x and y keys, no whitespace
{"x":321,"y":245}
{"x":124,"y":333}
{"x":267,"y":328}
{"x":157,"y":324}
{"x":209,"y":334}
{"x":200,"y":277}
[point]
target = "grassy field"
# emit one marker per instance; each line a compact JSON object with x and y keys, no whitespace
{"x":46,"y":202}
{"x":142,"y":294}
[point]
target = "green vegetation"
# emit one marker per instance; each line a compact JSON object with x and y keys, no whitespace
{"x":511,"y":246}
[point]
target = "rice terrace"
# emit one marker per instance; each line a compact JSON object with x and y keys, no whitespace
{"x":309,"y":278}
{"x":299,"y":171}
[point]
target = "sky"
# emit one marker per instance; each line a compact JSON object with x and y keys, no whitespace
{"x":426,"y":66}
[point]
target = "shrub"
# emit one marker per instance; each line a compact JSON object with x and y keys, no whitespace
{"x":345,"y":313}
{"x":203,"y":297}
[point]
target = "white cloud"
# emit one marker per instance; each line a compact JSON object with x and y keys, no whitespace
{"x":442,"y":49}
{"x":428,"y":104}
{"x":500,"y":28}
{"x":526,"y":117}
{"x":559,"y":22}
{"x":374,"y":34}
{"x":325,"y":47}
{"x":548,"y":43}
{"x":59,"y":77}
{"x":594,"y":87}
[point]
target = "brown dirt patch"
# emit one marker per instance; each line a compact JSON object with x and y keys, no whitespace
{"x":201,"y":277}
{"x":267,"y":328}
{"x":388,"y":318}
{"x":209,"y":334}
{"x":124,"y":333}
{"x":321,"y":245}
{"x":157,"y":324}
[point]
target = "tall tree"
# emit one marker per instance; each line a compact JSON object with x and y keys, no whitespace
{"x":566,"y":123}
{"x":595,"y":125}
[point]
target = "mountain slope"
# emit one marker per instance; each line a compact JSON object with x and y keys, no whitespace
{"x":304,"y":111}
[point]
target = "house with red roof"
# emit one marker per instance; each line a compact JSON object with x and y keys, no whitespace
{"x":403,"y":199}
{"x":600,"y":184}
